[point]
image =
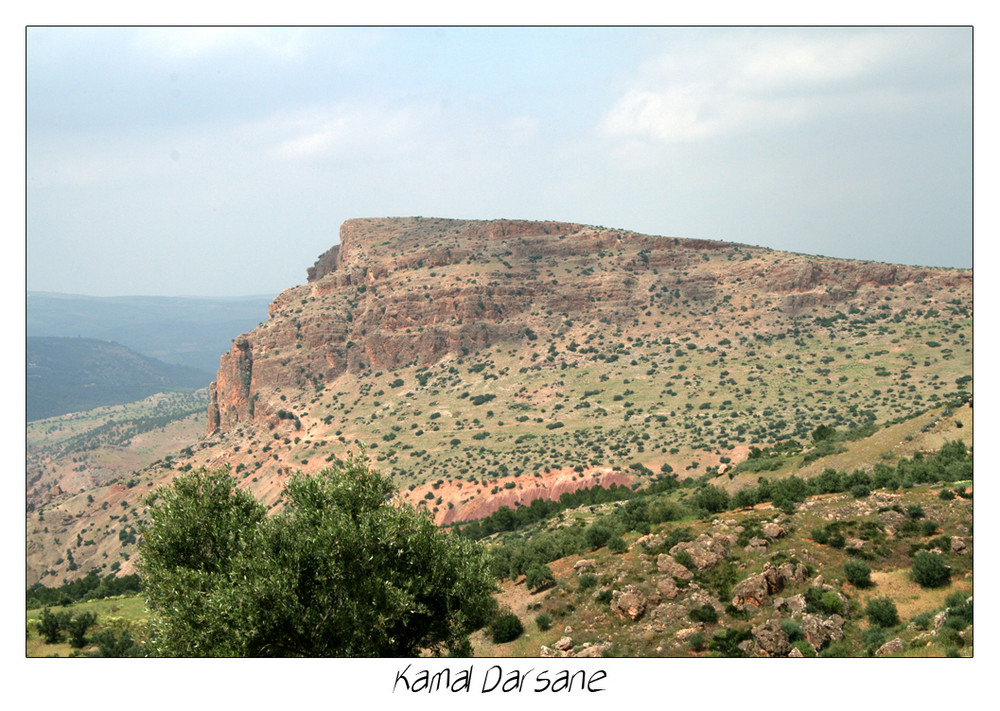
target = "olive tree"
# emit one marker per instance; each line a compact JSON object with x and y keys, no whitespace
{"x":342,"y":570}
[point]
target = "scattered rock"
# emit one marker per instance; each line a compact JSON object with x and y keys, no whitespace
{"x":687,"y":633}
{"x":564,"y":644}
{"x":756,"y":545}
{"x":958,"y":546}
{"x":583,"y":564}
{"x":547,"y":652}
{"x":939,"y":619}
{"x":795,"y":653}
{"x":596,"y":650}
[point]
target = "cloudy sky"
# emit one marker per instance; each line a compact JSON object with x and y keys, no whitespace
{"x":221,"y":162}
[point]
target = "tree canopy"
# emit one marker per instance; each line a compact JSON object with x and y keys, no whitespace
{"x":342,"y":570}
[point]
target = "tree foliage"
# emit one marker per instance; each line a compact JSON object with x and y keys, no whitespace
{"x":341,"y":571}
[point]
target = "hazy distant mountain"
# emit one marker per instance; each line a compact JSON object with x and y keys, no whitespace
{"x":74,"y":374}
{"x":192,"y":332}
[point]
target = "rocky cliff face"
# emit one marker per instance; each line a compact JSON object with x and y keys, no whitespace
{"x":409,"y":291}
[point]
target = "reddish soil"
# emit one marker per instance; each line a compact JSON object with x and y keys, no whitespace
{"x":474,"y":501}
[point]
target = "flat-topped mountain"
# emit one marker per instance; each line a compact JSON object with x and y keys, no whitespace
{"x":407,"y":292}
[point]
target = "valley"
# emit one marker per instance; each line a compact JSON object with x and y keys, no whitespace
{"x":484,"y":365}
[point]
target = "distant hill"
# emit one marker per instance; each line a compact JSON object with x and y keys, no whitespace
{"x":187,"y":331}
{"x":74,"y":374}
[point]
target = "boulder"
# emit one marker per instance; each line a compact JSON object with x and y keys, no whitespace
{"x":628,"y":603}
{"x":705,"y":550}
{"x":794,"y":606}
{"x":894,"y":646}
{"x":958,"y":546}
{"x":666,"y":564}
{"x":583,"y":564}
{"x":751,"y":592}
{"x":820,"y":632}
{"x":667,"y":588}
{"x":756,"y":545}
{"x":771,"y":640}
{"x":564,"y":644}
{"x":773,"y":530}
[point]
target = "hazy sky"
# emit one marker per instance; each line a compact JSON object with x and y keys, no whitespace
{"x":221,"y":161}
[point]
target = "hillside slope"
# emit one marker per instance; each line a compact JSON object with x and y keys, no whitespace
{"x":74,"y":374}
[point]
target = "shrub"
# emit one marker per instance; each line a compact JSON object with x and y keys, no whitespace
{"x":617,"y":545}
{"x":78,"y":627}
{"x":706,"y":613}
{"x":539,"y":577}
{"x":882,"y":611}
{"x":803,"y":646}
{"x":697,"y":642}
{"x":946,"y":494}
{"x":725,"y":642}
{"x":793,"y":630}
{"x":598,"y":535}
{"x":712,"y":499}
{"x":928,"y":528}
{"x":858,"y":574}
{"x":506,"y":627}
{"x":929,"y":570}
{"x":587,"y":581}
{"x":544,"y":621}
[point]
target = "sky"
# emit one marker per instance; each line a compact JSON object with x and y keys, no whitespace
{"x":221,"y":161}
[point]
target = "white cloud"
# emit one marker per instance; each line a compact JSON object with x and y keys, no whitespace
{"x":747,"y":81}
{"x":197,"y":42}
{"x":347,"y":128}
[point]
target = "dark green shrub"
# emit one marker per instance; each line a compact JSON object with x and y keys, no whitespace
{"x":598,"y":535}
{"x":684,"y":558}
{"x":587,"y":581}
{"x":858,"y":574}
{"x":820,"y":535}
{"x":923,"y":620}
{"x":706,"y":613}
{"x":506,"y":627}
{"x":929,"y":570}
{"x":803,"y":646}
{"x":928,"y":528}
{"x":544,"y":621}
{"x":882,"y":611}
{"x":539,"y":577}
{"x":697,"y":642}
{"x":725,"y":642}
{"x":792,"y":629}
{"x":946,"y":494}
{"x":52,"y":624}
{"x":78,"y":627}
{"x":617,"y":545}
{"x":712,"y":499}
{"x":860,"y":491}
